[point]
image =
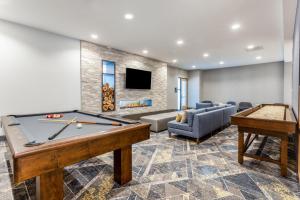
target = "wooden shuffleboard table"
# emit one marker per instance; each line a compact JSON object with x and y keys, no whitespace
{"x":275,"y":120}
{"x":33,"y":154}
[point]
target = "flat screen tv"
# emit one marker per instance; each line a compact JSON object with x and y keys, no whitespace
{"x":138,"y":79}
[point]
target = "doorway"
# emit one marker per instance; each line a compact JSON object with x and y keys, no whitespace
{"x":182,"y":94}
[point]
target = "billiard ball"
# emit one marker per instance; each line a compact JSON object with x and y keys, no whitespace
{"x":79,"y":125}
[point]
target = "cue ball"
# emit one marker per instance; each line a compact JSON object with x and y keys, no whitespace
{"x":79,"y":125}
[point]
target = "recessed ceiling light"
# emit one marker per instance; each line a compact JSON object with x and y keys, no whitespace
{"x":94,"y":36}
{"x":180,"y":42}
{"x":258,"y":57}
{"x":221,"y":62}
{"x":250,"y":46}
{"x":174,"y":61}
{"x":194,"y":66}
{"x":145,"y":51}
{"x":235,"y":26}
{"x":128,"y":16}
{"x":205,"y":55}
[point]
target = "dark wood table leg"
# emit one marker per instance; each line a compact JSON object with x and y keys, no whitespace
{"x":241,"y":147}
{"x":284,"y":155}
{"x":50,"y":186}
{"x":123,"y":165}
{"x":298,"y":153}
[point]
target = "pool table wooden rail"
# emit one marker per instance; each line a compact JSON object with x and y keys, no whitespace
{"x":47,"y":161}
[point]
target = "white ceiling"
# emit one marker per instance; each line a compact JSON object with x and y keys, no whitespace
{"x":204,"y":25}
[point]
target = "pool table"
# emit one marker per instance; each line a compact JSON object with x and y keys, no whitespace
{"x":45,"y":159}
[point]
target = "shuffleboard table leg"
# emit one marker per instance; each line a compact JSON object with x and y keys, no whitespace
{"x":298,"y":153}
{"x":284,"y":155}
{"x":123,"y":165}
{"x":50,"y":186}
{"x":241,"y":147}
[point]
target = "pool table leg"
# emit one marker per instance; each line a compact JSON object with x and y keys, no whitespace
{"x":50,"y":185}
{"x":123,"y":165}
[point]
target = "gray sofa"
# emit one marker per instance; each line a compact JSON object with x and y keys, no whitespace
{"x":202,"y":122}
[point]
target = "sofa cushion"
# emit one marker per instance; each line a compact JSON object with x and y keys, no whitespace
{"x":178,"y":117}
{"x":190,"y":115}
{"x":203,"y":105}
{"x":177,"y":125}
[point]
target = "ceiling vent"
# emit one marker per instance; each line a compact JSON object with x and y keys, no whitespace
{"x":256,"y":48}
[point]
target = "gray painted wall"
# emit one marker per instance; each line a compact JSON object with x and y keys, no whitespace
{"x":194,"y":89}
{"x":287,"y":87}
{"x":40,"y":71}
{"x":262,"y":83}
{"x":295,"y":68}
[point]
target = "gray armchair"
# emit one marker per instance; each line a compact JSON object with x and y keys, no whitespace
{"x":207,"y":101}
{"x":244,"y":106}
{"x":231,"y":103}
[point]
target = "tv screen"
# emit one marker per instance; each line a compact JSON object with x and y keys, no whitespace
{"x":138,"y":79}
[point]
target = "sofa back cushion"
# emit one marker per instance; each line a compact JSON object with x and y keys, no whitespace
{"x":203,"y":105}
{"x":214,"y":108}
{"x":190,"y":115}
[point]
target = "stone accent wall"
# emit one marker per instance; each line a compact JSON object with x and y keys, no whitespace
{"x":91,"y":79}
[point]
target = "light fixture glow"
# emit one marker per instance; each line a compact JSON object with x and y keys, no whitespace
{"x":145,"y":51}
{"x":194,"y":66}
{"x":235,"y":26}
{"x":258,"y":57}
{"x":94,"y":36}
{"x":129,"y":16}
{"x":221,"y":62}
{"x":174,"y":61}
{"x":205,"y":55}
{"x":180,"y":42}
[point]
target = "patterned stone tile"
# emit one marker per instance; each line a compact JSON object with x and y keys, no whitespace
{"x":246,"y":185}
{"x":75,"y":186}
{"x":174,"y":169}
{"x":5,"y":186}
{"x":20,"y":192}
{"x":157,"y":191}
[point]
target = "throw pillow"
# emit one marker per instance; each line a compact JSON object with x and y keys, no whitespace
{"x":184,"y":117}
{"x":178,"y":117}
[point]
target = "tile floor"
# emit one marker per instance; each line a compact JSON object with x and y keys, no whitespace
{"x":172,"y":168}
